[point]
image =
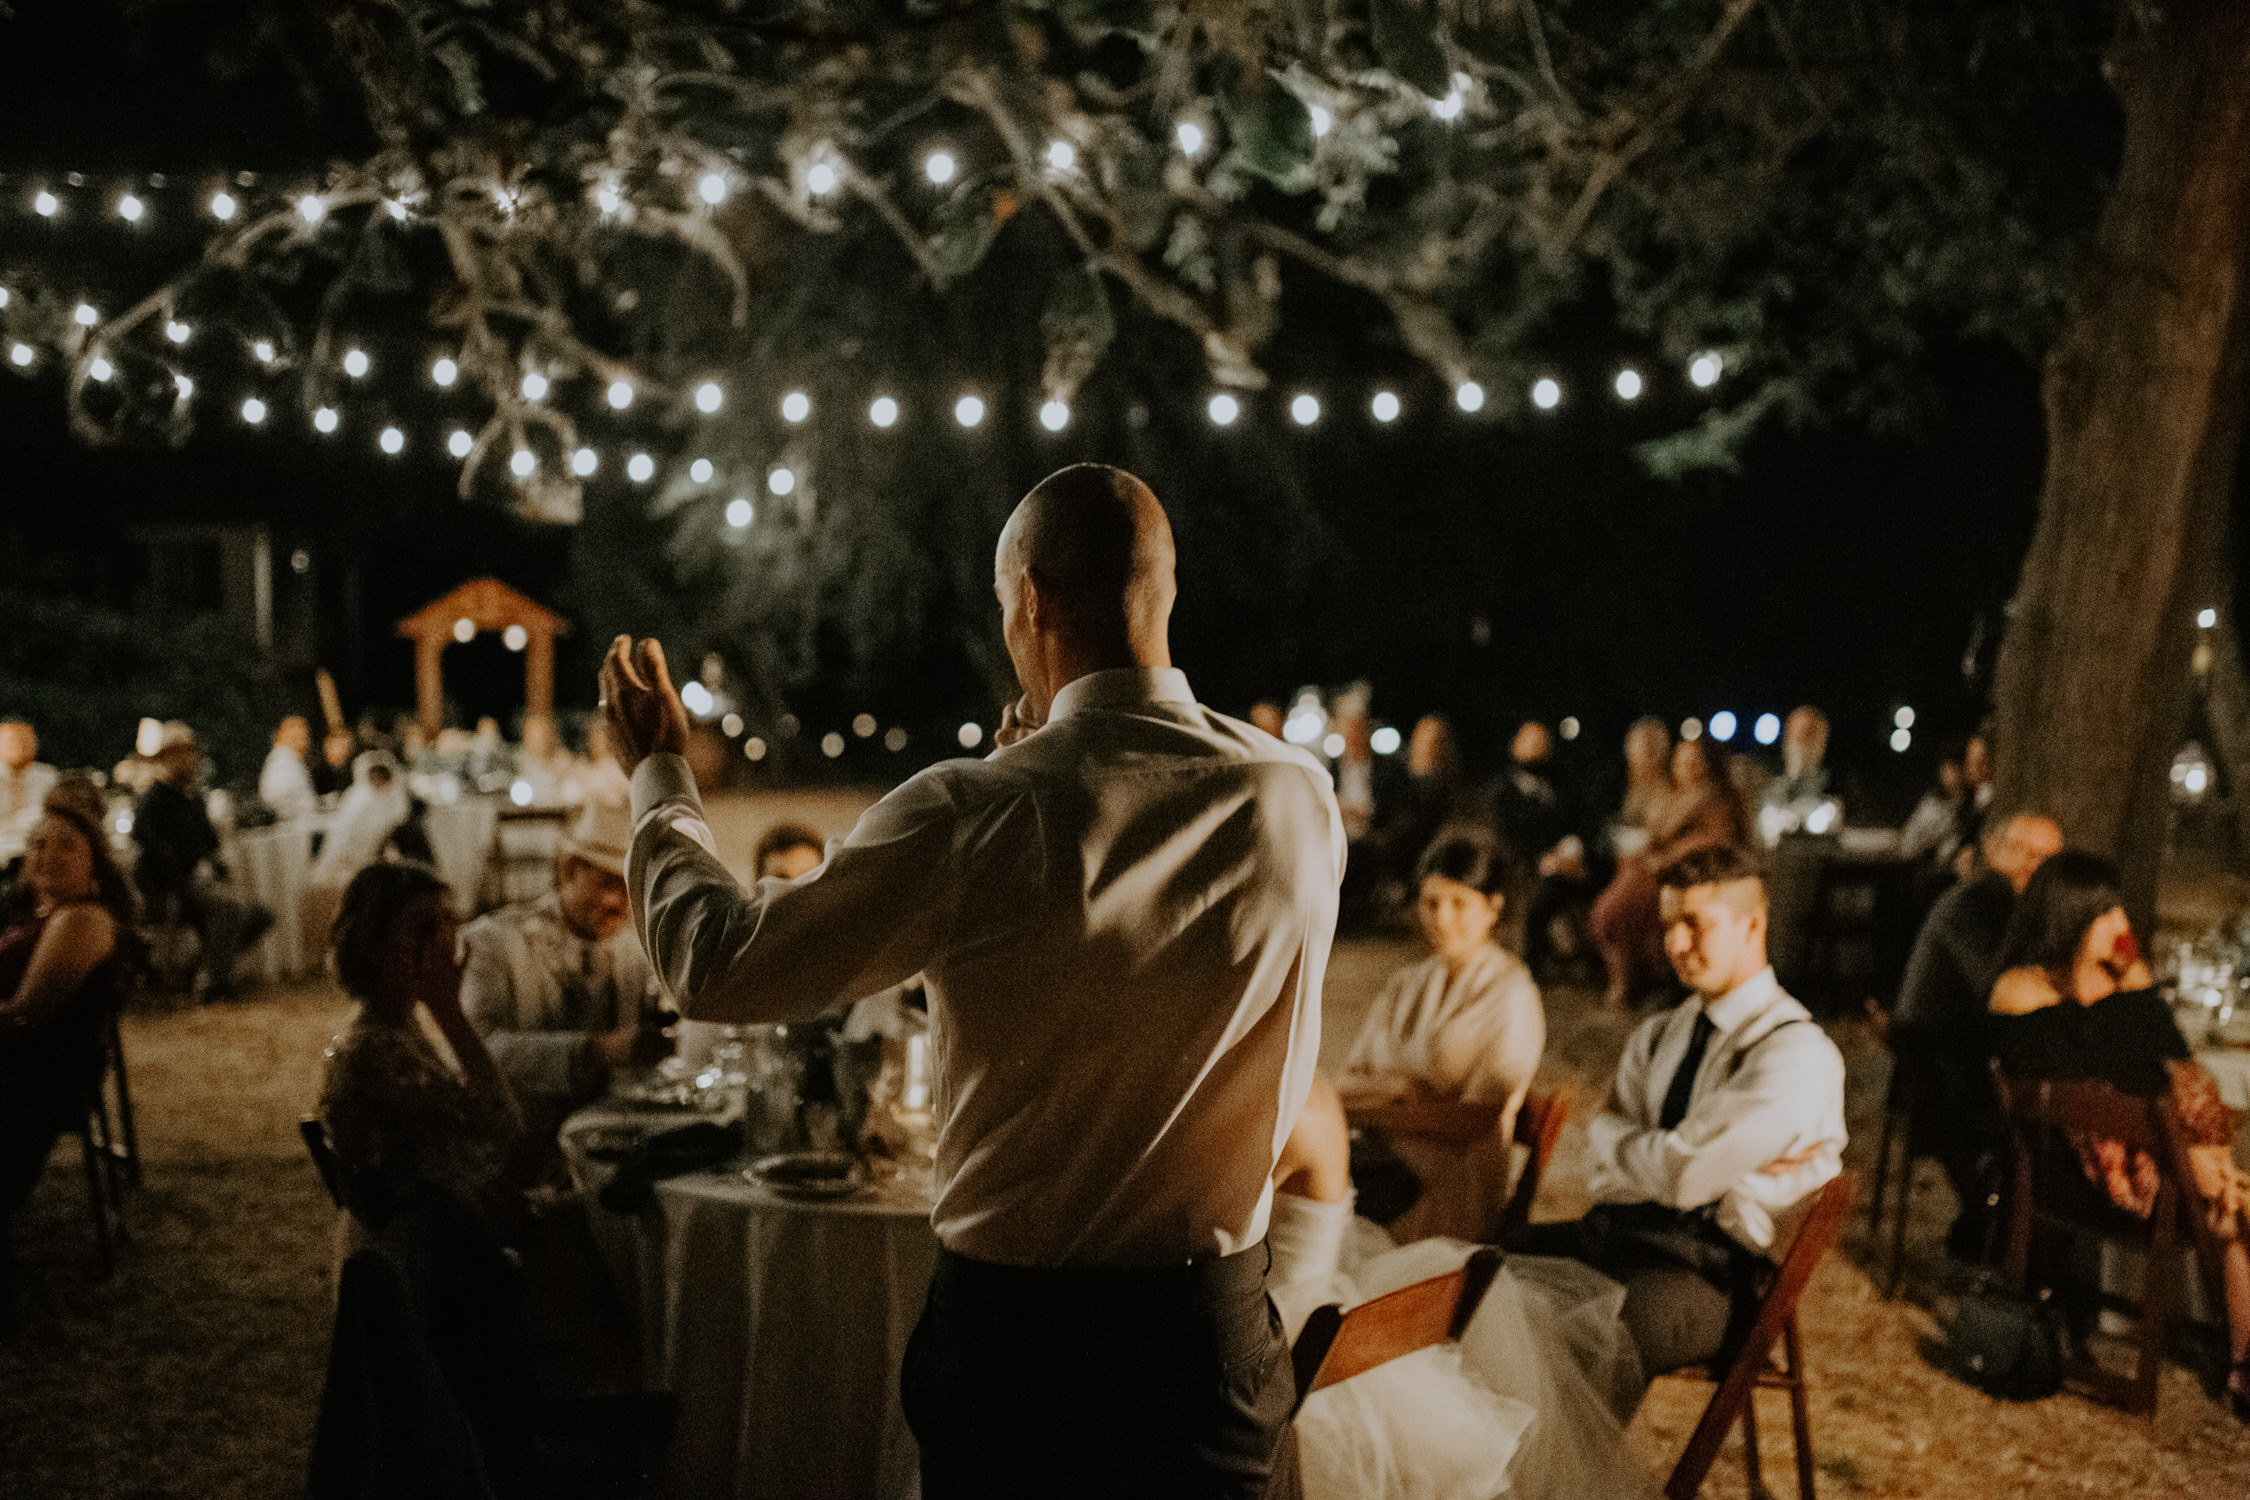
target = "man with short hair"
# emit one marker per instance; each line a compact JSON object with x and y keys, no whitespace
{"x":1123,"y":915}
{"x":1938,"y":1025}
{"x":24,"y":784}
{"x":1727,"y":1116}
{"x":1544,"y":824}
{"x":179,"y":872}
{"x":561,"y":1002}
{"x":284,"y":782}
{"x":787,"y":851}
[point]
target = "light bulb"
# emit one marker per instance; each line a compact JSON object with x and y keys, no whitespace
{"x":45,"y":204}
{"x":1322,"y":120}
{"x":640,"y":468}
{"x":311,"y":209}
{"x":1469,"y":396}
{"x":939,"y":167}
{"x":1305,"y":410}
{"x":445,"y":372}
{"x":1704,"y":370}
{"x":820,"y":178}
{"x":263,"y":349}
{"x":712,"y":189}
{"x":2206,"y":618}
{"x":534,"y":385}
{"x":1903,"y":719}
{"x":608,"y":199}
{"x":100,"y":368}
{"x":391,"y":440}
{"x":970,"y":736}
{"x":325,"y":419}
{"x":222,"y":206}
{"x":700,"y":471}
{"x":1385,"y":406}
{"x":1054,"y":416}
{"x":1767,"y":729}
{"x":1546,"y":394}
{"x":883,"y":411}
{"x":253,"y":411}
{"x":1628,"y":383}
{"x":355,"y":362}
{"x":781,"y":481}
{"x":184,"y":386}
{"x":969,"y":411}
{"x":708,"y":396}
{"x":522,"y":462}
{"x":84,"y":315}
{"x":130,"y":209}
{"x":620,"y":394}
{"x":740,"y":512}
{"x":177,"y":331}
{"x":460,"y":443}
{"x":1190,"y":136}
{"x":584,"y":462}
{"x":1224,"y":409}
{"x":464,"y":630}
{"x":795,"y":407}
{"x":1722,"y":726}
{"x":20,"y":355}
{"x":1061,"y":155}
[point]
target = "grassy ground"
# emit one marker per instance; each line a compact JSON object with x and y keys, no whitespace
{"x":195,"y":1370}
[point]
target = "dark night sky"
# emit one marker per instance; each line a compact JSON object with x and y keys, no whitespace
{"x":1835,"y":567}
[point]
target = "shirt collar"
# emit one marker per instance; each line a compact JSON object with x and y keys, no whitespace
{"x":1745,"y":1001}
{"x":1121,"y":687}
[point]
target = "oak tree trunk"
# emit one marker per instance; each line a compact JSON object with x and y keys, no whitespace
{"x":2144,"y":404}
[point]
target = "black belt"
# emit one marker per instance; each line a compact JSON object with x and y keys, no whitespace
{"x":1219,"y":1278}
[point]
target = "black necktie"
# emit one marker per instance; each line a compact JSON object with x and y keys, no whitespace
{"x":1683,"y":1077}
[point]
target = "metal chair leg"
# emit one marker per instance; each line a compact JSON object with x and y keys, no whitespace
{"x":96,"y":1198}
{"x":125,"y":1104}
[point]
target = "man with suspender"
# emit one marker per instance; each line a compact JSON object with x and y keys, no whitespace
{"x":1727,"y":1116}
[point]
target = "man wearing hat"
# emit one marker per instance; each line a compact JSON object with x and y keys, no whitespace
{"x":179,"y":873}
{"x":561,"y":1001}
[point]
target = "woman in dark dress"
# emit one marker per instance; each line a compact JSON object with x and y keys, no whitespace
{"x":65,"y":968}
{"x":2075,"y":1000}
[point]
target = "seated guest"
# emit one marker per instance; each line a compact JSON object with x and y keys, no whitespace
{"x":65,"y":968}
{"x":1544,"y":825}
{"x":179,"y":873}
{"x":1699,"y":811}
{"x":1932,"y":832}
{"x":1648,"y":774}
{"x":560,"y":1000}
{"x":1726,"y":1117}
{"x":1938,"y":1026}
{"x":788,"y":851}
{"x":24,"y":782}
{"x":284,"y":782}
{"x":1433,"y":794}
{"x":2074,"y":1000}
{"x":1464,"y":1024}
{"x":379,"y":818}
{"x":1788,"y":802}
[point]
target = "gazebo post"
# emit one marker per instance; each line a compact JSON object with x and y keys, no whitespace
{"x":539,"y":676}
{"x":429,"y":684}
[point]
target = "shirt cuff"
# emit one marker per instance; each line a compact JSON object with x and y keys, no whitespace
{"x":661,"y":778}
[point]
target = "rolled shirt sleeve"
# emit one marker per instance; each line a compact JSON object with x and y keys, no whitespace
{"x":867,"y":919}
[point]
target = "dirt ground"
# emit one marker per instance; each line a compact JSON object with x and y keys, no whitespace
{"x":194,"y":1371}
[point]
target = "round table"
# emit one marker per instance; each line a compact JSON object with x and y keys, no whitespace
{"x":268,"y":865}
{"x":779,"y":1323}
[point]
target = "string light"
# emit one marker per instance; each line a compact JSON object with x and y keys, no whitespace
{"x":1901,"y":739}
{"x":708,"y":396}
{"x":740,"y":513}
{"x":620,"y":394}
{"x":1904,"y":718}
{"x":1767,"y":729}
{"x":2206,"y":618}
{"x":832,"y":744}
{"x":640,"y":468}
{"x":1054,"y":416}
{"x":1469,"y":396}
{"x":522,"y":463}
{"x":311,"y":209}
{"x":263,"y":349}
{"x":100,"y":368}
{"x":894,"y":739}
{"x":21,"y":354}
{"x":970,"y":736}
{"x":130,"y":209}
{"x":1305,"y":410}
{"x":700,"y":471}
{"x":515,"y":637}
{"x":45,"y":204}
{"x":1190,"y":136}
{"x":355,"y":362}
{"x":459,"y":443}
{"x":1628,"y":383}
{"x":1061,"y":155}
{"x":395,"y":208}
{"x":864,"y":726}
{"x":222,"y":206}
{"x":184,"y":386}
{"x":753,"y":748}
{"x":584,"y":462}
{"x":325,"y":419}
{"x":1224,"y":409}
{"x":464,"y":630}
{"x":1322,"y":120}
{"x":1704,"y":370}
{"x":712,"y":189}
{"x":1385,"y":406}
{"x":781,"y":481}
{"x":84,"y":315}
{"x":939,"y":167}
{"x":253,"y":411}
{"x":445,"y":372}
{"x":392,"y":441}
{"x":534,"y":385}
{"x":1449,"y":108}
{"x":176,"y":331}
{"x":607,"y":198}
{"x":969,"y":410}
{"x":1546,"y":393}
{"x":1722,"y":726}
{"x":883,"y":411}
{"x":795,"y":407}
{"x":821,"y":178}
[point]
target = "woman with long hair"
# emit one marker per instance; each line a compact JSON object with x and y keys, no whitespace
{"x":1698,"y":808}
{"x":2075,"y":1000}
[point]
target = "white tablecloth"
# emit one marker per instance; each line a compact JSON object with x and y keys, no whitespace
{"x":268,"y":865}
{"x":461,"y":839}
{"x":779,"y":1324}
{"x":2230,"y":1067}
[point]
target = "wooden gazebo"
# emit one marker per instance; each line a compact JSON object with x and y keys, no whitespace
{"x":482,"y":604}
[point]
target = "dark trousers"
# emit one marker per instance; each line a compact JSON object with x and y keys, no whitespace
{"x":1957,"y":1115}
{"x":1158,"y":1384}
{"x":1686,"y":1285}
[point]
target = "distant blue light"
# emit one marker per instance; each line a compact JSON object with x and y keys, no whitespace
{"x":1722,"y":726}
{"x":1767,"y":729}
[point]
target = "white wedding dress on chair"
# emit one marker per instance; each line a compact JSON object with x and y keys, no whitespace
{"x":1525,"y":1405}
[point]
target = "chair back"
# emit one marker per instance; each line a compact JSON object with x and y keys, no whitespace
{"x":1816,"y":1236}
{"x":1336,"y":1344}
{"x":2087,"y":1105}
{"x":323,"y":1154}
{"x":1539,"y":1123}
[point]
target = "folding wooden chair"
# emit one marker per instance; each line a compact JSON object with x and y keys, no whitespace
{"x":1753,"y":1367}
{"x":1335,"y":1344}
{"x":2039,"y":1112}
{"x":124,"y":1142}
{"x":1904,"y":1141}
{"x":1539,"y":1122}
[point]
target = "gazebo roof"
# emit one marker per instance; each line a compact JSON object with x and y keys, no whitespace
{"x":486,"y":603}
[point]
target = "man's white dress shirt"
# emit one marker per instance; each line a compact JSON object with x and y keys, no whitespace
{"x":22,"y":794}
{"x":285,"y":785}
{"x":1123,"y":920}
{"x":1771,"y":1085}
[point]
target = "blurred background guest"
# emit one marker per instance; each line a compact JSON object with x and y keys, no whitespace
{"x":1648,"y":773}
{"x":332,"y":772}
{"x":66,"y":966}
{"x":179,"y":873}
{"x":285,"y":783}
{"x":1932,"y":832}
{"x":1798,"y":799}
{"x":1543,"y":819}
{"x":1697,"y":810}
{"x":1267,"y":715}
{"x":561,"y":998}
{"x":1355,"y":764}
{"x":1976,"y":775}
{"x":23,"y":785}
{"x":377,"y":817}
